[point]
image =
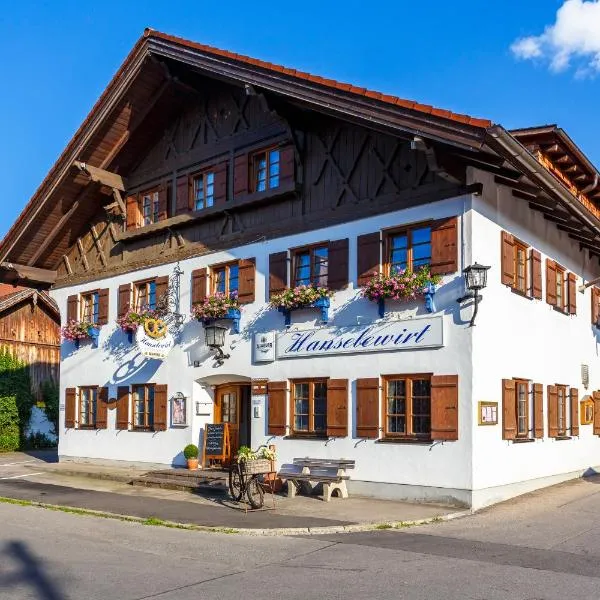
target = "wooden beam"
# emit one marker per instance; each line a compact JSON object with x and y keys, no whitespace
{"x":28,"y":273}
{"x":84,"y":259}
{"x":67,"y":264}
{"x":117,"y":196}
{"x":111,"y":180}
{"x":96,"y":239}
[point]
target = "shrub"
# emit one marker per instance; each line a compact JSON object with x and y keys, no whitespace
{"x":190,"y":451}
{"x":15,"y":381}
{"x":9,"y":424}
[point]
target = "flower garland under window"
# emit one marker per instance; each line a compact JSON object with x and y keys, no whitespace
{"x":299,"y":296}
{"x":403,"y":285}
{"x":215,"y":306}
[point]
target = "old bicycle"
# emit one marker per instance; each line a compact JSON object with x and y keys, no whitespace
{"x":246,"y":473}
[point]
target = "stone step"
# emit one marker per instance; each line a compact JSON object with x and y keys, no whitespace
{"x":185,"y":474}
{"x":184,"y":484}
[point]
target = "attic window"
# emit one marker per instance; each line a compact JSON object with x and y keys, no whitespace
{"x":150,"y":208}
{"x":266,"y":170}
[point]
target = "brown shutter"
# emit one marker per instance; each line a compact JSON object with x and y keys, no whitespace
{"x":538,"y":410}
{"x":574,"y":398}
{"x":278,"y":268}
{"x":369,"y":256}
{"x":337,"y":407}
{"x":337,"y":265}
{"x":124,"y":299}
{"x":133,"y":212}
{"x":163,"y":201}
{"x":367,"y":408}
{"x":550,"y":282}
{"x":240,"y":175}
{"x":70,"y":399}
{"x":508,"y":259}
{"x":101,"y":408}
{"x":509,"y":410}
{"x":183,"y":201}
{"x":162,"y":286}
{"x":596,"y":396}
{"x":221,"y":184}
{"x":595,"y":305}
{"x":552,"y":411}
{"x":123,"y":407}
{"x":73,"y":308}
{"x":444,"y":246}
{"x":287,"y":166}
{"x":536,"y":274}
{"x":277,"y":391}
{"x":444,"y":407}
{"x":246,"y":282}
{"x":103,"y":306}
{"x":572,"y":293}
{"x":199,"y":277}
{"x":160,"y":407}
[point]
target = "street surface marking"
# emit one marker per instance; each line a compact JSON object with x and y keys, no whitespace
{"x":16,"y":463}
{"x":19,"y":476}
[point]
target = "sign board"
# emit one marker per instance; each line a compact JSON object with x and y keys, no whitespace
{"x":488,"y":413}
{"x":388,"y":336}
{"x":216,"y":442}
{"x":259,"y":386}
{"x":264,"y":346}
{"x":156,"y":344}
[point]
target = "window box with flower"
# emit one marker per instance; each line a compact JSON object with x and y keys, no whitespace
{"x":132,"y":319}
{"x":402,"y":286}
{"x":77,"y":331}
{"x":301,"y":297}
{"x":218,"y":307}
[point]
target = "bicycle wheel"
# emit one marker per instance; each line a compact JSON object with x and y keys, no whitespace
{"x":236,"y":488}
{"x":255,"y":494}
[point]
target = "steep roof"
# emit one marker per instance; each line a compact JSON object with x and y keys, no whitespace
{"x":10,"y":300}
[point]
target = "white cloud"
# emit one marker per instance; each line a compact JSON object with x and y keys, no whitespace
{"x":574,"y":38}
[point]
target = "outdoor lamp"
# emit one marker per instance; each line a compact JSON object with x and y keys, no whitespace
{"x":214,"y":336}
{"x":475,"y":280}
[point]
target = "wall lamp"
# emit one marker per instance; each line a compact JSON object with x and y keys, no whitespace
{"x":214,"y":336}
{"x":475,"y":280}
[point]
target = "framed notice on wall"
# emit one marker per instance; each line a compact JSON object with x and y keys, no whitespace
{"x":488,"y":413}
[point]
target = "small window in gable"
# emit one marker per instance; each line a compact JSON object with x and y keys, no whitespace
{"x":89,"y":307}
{"x":266,"y":170}
{"x":150,"y":207}
{"x":203,"y":190}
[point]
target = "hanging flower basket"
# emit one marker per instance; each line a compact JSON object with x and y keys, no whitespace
{"x":218,"y":307}
{"x":131,"y":320}
{"x":402,"y":286}
{"x":76,"y":331}
{"x":303,"y":296}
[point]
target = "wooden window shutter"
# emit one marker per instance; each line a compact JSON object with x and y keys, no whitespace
{"x":444,"y":407}
{"x":337,"y":265}
{"x":550,"y":282}
{"x":367,"y":408}
{"x":507,"y":254}
{"x":70,"y":400}
{"x":199,"y":280}
{"x":103,"y":296}
{"x":572,"y":293}
{"x":444,"y":246}
{"x":247,"y":280}
{"x":162,"y":286}
{"x":574,"y":401}
{"x":221,"y":184}
{"x":595,"y":305}
{"x":240,"y":175}
{"x":509,"y":410}
{"x":183,"y":200}
{"x":369,"y":256}
{"x":160,"y":408}
{"x":133,"y":211}
{"x":102,"y":408}
{"x":287,"y":166}
{"x":536,"y":274}
{"x":124,"y":299}
{"x":538,"y":410}
{"x":278,"y":272}
{"x":163,"y":201}
{"x":73,"y":308}
{"x":123,"y":407}
{"x":552,"y":411}
{"x":596,"y":397}
{"x":337,"y":407}
{"x":277,"y":391}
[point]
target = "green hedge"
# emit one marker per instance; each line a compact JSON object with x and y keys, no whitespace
{"x":9,"y":424}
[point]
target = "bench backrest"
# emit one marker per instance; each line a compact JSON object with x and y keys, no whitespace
{"x":342,"y":463}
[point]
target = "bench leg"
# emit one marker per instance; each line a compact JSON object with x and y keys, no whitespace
{"x":329,"y":488}
{"x":343,"y":489}
{"x":291,"y":485}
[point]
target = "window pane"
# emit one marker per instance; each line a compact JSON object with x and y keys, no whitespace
{"x":152,"y":295}
{"x":421,"y":255}
{"x":302,"y":268}
{"x":138,"y":406}
{"x":199,"y":192}
{"x":301,"y":406}
{"x":219,"y":278}
{"x":396,"y":406}
{"x":421,"y":406}
{"x":421,"y":235}
{"x":85,"y":406}
{"x":320,"y":406}
{"x":261,"y":172}
{"x":233,"y":279}
{"x":320,"y":264}
{"x":142,"y":297}
{"x":150,"y":406}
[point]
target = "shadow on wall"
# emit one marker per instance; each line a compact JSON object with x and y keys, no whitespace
{"x":137,"y":368}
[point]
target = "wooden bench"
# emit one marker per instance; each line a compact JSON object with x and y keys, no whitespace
{"x":304,"y":472}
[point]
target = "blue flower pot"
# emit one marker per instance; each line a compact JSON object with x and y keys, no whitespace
{"x":233,"y":314}
{"x":322,"y":304}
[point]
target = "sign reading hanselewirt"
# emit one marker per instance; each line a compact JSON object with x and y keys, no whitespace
{"x":154,"y":339}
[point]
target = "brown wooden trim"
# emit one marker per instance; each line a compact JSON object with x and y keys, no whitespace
{"x":311,"y":381}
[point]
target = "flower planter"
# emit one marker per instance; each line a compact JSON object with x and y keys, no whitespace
{"x":259,"y":465}
{"x":322,"y":304}
{"x":233,"y":314}
{"x":428,"y":294}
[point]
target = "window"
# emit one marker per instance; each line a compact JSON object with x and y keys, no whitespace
{"x":150,"y":209}
{"x":204,"y":190}
{"x":561,"y":394}
{"x":522,"y":408}
{"x":407,"y":407}
{"x":266,"y":170}
{"x":143,"y":406}
{"x":88,"y":396}
{"x":587,"y":412}
{"x":310,"y":266}
{"x":225,"y":279}
{"x":520,"y":268}
{"x":88,"y":305}
{"x":309,"y":407}
{"x":408,"y":249}
{"x":145,"y":295}
{"x":561,"y":302}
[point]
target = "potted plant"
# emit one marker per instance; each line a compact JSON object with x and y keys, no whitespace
{"x":191,"y":454}
{"x":403,"y":286}
{"x":218,"y":306}
{"x":75,"y":331}
{"x":303,"y":296}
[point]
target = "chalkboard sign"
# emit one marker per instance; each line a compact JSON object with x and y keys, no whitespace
{"x":216,"y":442}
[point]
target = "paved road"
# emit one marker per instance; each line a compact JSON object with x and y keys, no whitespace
{"x":542,"y":547}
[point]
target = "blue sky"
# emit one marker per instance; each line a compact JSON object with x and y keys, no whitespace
{"x":57,"y":57}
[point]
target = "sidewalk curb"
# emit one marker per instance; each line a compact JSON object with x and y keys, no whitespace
{"x":264,"y":532}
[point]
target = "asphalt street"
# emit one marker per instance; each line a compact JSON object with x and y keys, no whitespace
{"x":545,"y":546}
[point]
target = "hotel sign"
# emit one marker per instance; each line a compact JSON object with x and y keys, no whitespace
{"x":389,"y":336}
{"x":154,"y":340}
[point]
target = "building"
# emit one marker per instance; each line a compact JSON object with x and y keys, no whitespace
{"x":201,"y":172}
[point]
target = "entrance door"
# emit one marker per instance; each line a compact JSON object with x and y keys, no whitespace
{"x":232,"y":407}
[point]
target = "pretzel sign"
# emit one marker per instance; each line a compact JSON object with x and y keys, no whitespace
{"x":155,"y":328}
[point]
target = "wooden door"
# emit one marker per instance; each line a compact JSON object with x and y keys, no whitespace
{"x":228,"y":411}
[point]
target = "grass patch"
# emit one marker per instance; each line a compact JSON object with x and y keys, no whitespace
{"x":383,"y":526}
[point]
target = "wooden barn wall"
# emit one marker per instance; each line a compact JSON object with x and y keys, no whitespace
{"x":31,"y":333}
{"x":344,"y":172}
